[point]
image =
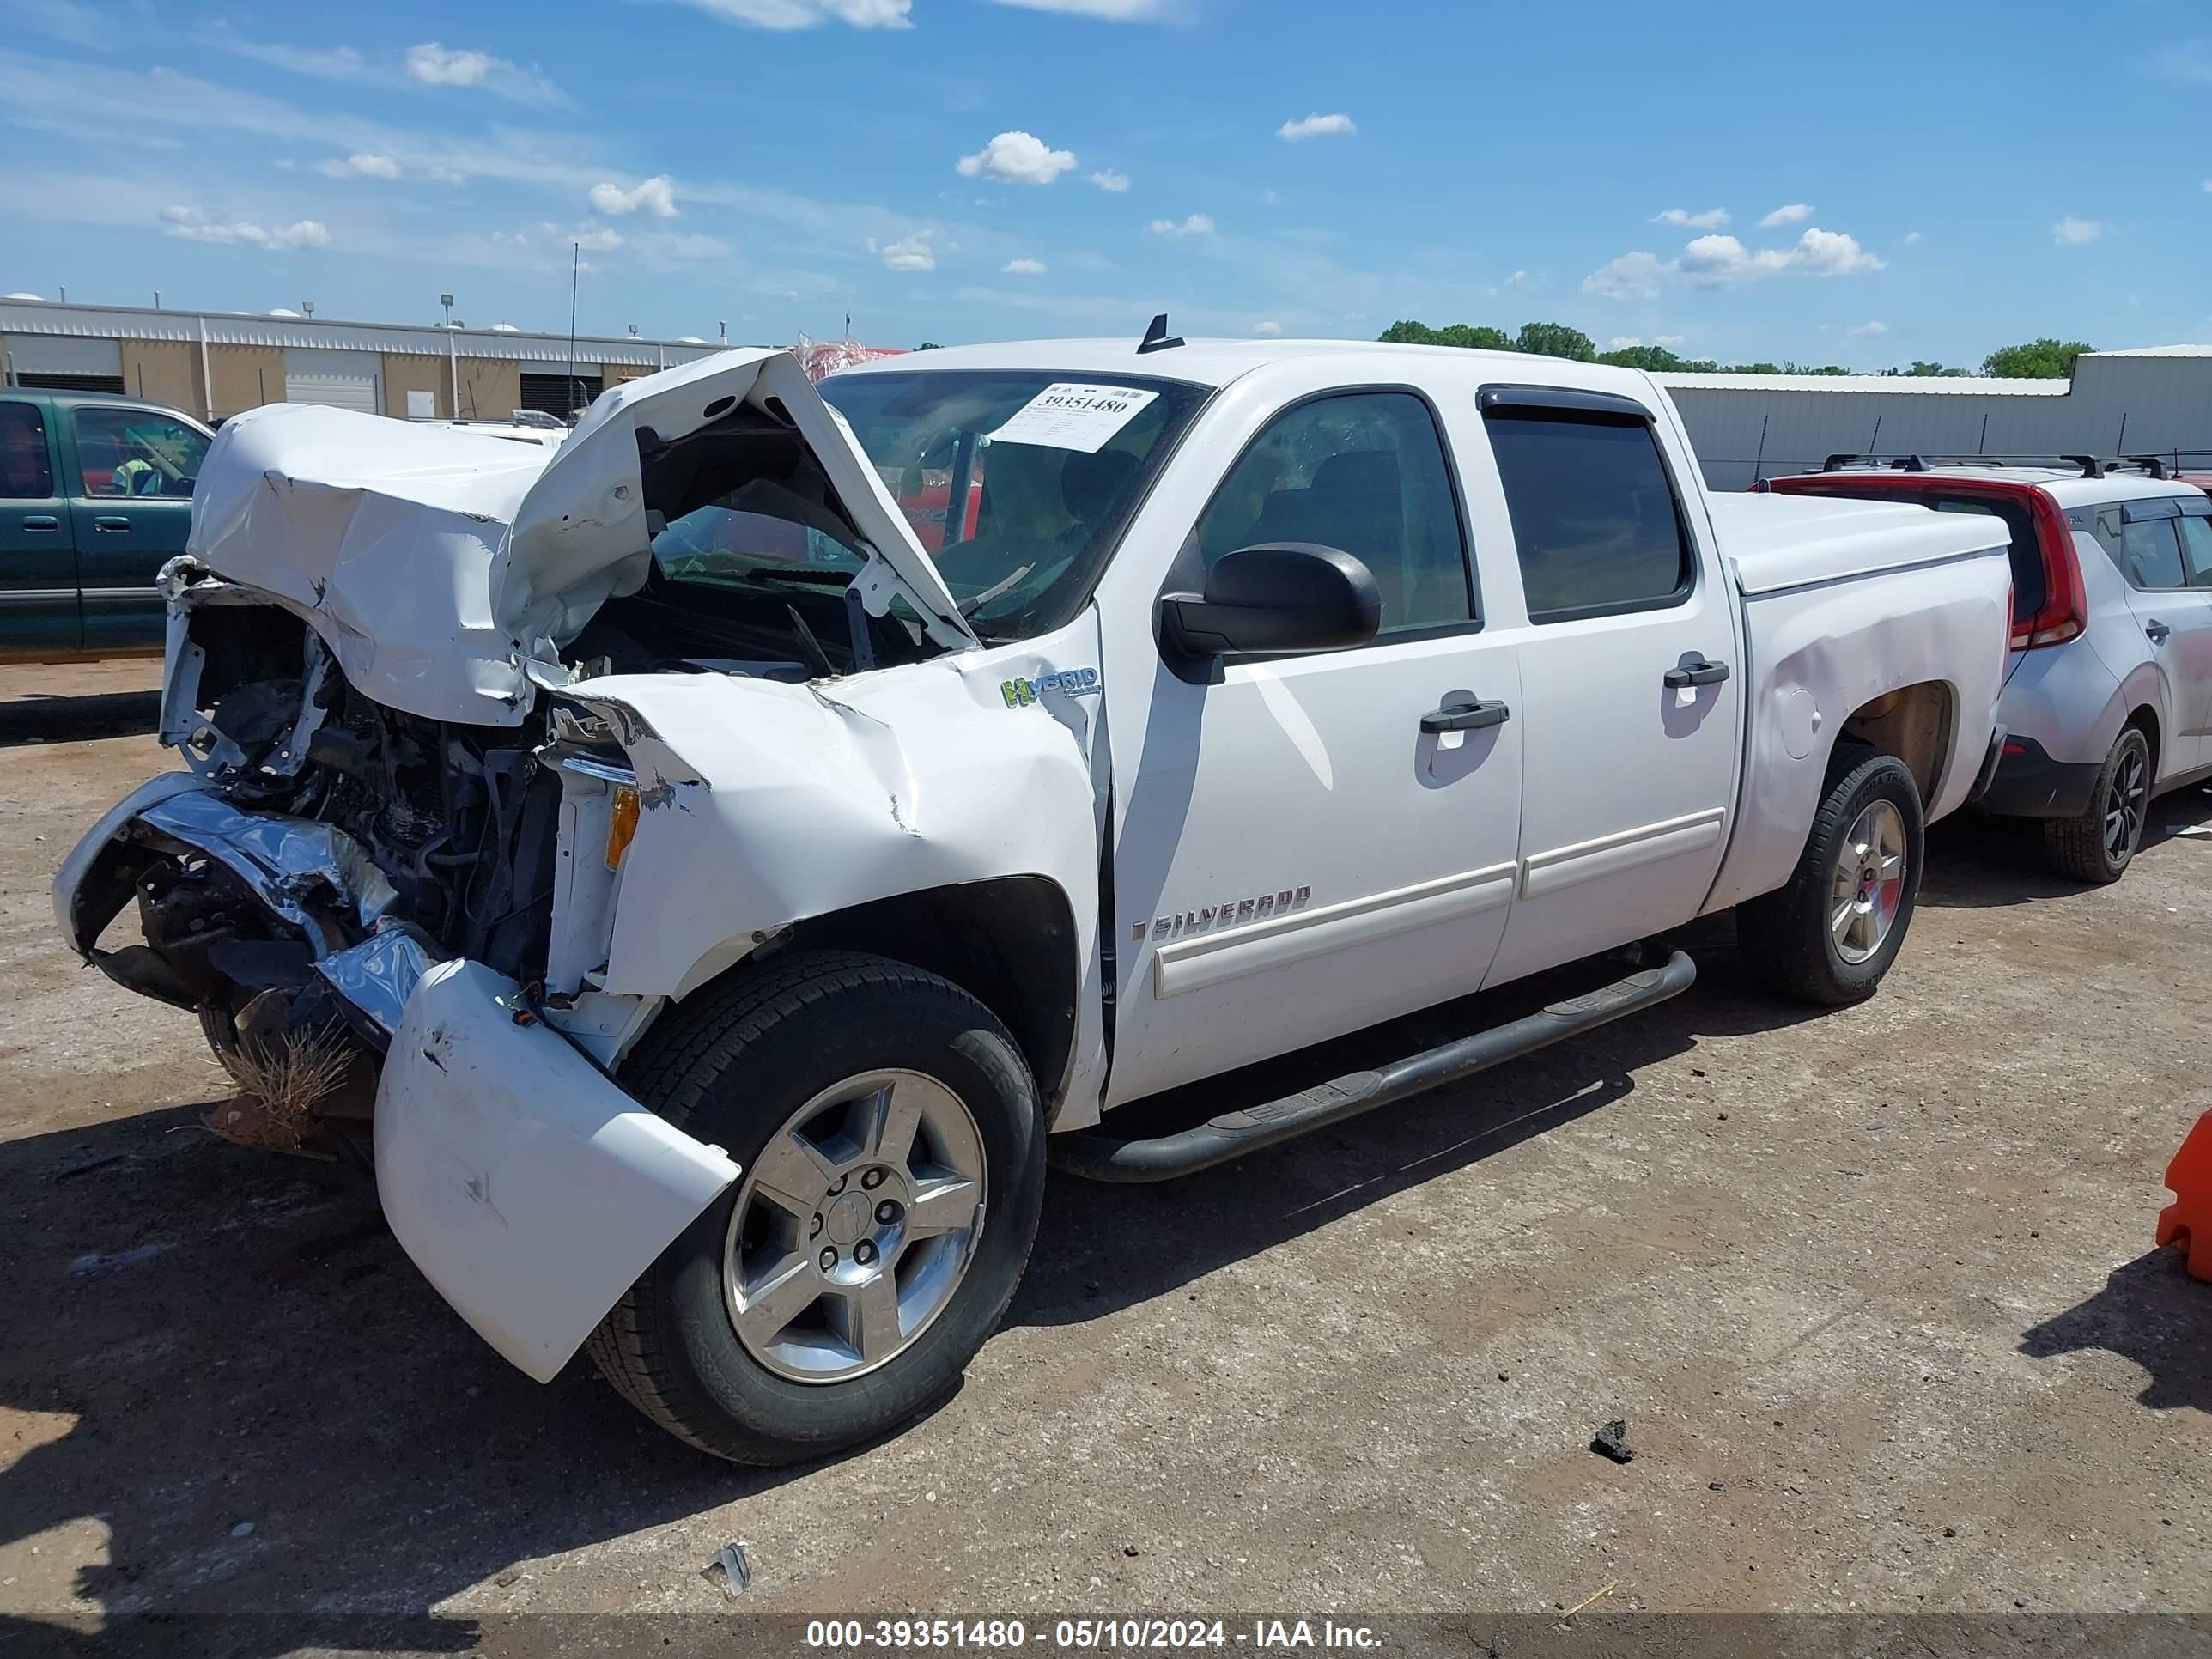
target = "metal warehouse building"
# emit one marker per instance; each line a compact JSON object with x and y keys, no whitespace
{"x":2155,"y":401}
{"x":214,"y":364}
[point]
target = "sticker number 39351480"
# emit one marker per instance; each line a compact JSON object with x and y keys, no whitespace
{"x":1065,"y":416}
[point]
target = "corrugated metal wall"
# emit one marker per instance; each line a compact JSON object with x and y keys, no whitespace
{"x":2117,"y":404}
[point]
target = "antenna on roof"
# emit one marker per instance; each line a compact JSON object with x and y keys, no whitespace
{"x":1157,"y":337}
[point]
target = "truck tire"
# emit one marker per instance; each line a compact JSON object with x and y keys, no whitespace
{"x":892,"y":1151}
{"x":222,"y":1033}
{"x":1830,"y":934}
{"x":2098,"y":846}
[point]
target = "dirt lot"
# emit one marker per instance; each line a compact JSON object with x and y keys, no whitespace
{"x":1874,"y":1291}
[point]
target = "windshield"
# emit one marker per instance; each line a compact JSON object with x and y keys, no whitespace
{"x":1045,"y":469}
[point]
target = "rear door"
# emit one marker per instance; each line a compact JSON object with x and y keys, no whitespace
{"x":131,"y":472}
{"x":1630,"y":673}
{"x":2176,"y":618}
{"x":37,"y":565}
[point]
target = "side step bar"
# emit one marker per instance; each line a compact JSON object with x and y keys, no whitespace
{"x":1096,"y":1157}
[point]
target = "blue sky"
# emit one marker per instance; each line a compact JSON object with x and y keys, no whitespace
{"x":1737,"y":181}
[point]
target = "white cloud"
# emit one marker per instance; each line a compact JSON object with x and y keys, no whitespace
{"x":601,"y":239}
{"x":196,"y":225}
{"x":809,"y":14}
{"x":2070,"y":232}
{"x":1115,"y":183}
{"x":1198,"y":224}
{"x":655,"y":196}
{"x":1016,"y":158}
{"x":1711,"y":219}
{"x":1270,"y":331}
{"x":907,"y":253}
{"x":1864,"y":329}
{"x":432,"y":64}
{"x":2208,"y":190}
{"x":1912,"y":237}
{"x":1317,"y":126}
{"x":1796,"y":213}
{"x":1024,"y":267}
{"x":362,"y":167}
{"x":2190,"y":61}
{"x":1670,"y":341}
{"x":1724,"y":262}
{"x":1108,"y":12}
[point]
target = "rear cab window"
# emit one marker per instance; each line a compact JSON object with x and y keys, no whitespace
{"x":26,"y":473}
{"x":1597,"y":521}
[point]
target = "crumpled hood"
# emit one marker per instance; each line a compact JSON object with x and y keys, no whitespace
{"x":444,"y":567}
{"x":580,"y":533}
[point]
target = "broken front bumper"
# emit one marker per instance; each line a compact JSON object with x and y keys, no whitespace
{"x":526,"y":1185}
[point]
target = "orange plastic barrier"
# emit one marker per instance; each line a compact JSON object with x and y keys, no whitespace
{"x":2188,"y":1220}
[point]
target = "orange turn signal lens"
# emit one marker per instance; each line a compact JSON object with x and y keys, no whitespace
{"x":622,"y":827}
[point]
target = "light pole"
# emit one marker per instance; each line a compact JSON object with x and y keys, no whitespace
{"x":446,"y":300}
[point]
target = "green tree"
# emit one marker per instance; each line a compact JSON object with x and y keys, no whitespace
{"x":1408,"y":332}
{"x":1654,"y":360}
{"x":927,"y":345}
{"x":1556,"y":340}
{"x":1477,"y":338}
{"x":2041,"y":360}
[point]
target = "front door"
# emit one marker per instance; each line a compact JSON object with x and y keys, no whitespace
{"x":37,"y":568}
{"x":131,"y":472}
{"x":1314,"y":843}
{"x":1630,"y":668}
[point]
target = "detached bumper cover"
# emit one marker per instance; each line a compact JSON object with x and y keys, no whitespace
{"x":528,"y":1187}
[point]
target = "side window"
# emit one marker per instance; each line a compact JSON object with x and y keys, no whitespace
{"x":25,"y":473}
{"x":2150,"y":554}
{"x":1594,"y":512}
{"x":1365,"y":473}
{"x":2196,"y":547}
{"x":134,"y":451}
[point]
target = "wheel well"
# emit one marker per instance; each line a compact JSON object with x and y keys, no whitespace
{"x":2145,"y":718}
{"x":1913,"y":723}
{"x":1010,"y":943}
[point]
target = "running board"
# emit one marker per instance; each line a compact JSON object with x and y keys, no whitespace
{"x":1096,"y":1157}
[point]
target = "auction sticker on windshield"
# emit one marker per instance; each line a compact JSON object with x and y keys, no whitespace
{"x":1069,"y":416}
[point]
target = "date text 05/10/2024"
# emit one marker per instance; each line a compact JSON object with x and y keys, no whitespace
{"x":1091,"y":1635}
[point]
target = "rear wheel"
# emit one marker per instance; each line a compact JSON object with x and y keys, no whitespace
{"x":893,"y":1159}
{"x":1830,"y":935}
{"x":2098,"y":846}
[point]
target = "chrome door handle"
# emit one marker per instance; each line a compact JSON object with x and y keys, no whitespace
{"x":1465,"y":716}
{"x":1699,"y":672}
{"x":42,"y":521}
{"x":2157,"y":630}
{"x":109,"y":521}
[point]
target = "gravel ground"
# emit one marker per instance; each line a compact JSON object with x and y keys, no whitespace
{"x":1872,"y":1290}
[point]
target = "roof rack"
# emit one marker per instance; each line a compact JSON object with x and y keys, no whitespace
{"x":2091,"y":466}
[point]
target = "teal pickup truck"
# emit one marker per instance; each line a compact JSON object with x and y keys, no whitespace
{"x":95,"y":497}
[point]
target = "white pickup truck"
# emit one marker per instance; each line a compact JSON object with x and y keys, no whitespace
{"x":709,"y":859}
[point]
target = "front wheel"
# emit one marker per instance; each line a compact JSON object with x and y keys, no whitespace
{"x":892,"y":1154}
{"x":1830,"y":935}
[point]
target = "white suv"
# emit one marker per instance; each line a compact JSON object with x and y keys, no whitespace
{"x":2108,"y":695}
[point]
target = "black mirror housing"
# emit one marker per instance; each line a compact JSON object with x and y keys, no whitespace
{"x":1280,"y":597}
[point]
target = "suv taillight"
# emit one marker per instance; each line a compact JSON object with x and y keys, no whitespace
{"x":2065,"y":611}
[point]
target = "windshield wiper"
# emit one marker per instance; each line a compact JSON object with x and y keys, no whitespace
{"x":970,"y":605}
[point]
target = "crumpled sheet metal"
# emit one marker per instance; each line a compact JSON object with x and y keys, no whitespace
{"x":378,"y":975}
{"x":282,"y":859}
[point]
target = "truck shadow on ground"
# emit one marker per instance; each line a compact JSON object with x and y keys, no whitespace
{"x":41,"y":719}
{"x":2150,"y":1312}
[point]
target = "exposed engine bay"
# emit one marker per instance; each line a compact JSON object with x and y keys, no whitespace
{"x":338,"y":844}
